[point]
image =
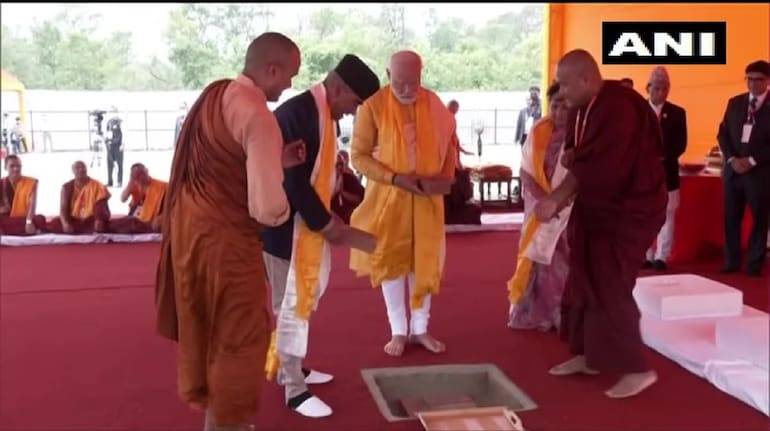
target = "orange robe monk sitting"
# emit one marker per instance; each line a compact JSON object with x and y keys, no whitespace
{"x":146,"y":204}
{"x":18,"y":199}
{"x":84,"y":204}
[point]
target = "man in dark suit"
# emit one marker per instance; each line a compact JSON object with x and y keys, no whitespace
{"x":529,"y":115}
{"x":115,"y":148}
{"x":744,"y":138}
{"x":310,"y":116}
{"x":673,"y":126}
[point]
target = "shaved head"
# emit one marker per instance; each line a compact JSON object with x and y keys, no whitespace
{"x":582,"y":62}
{"x":140,"y":174}
{"x":405,"y":74}
{"x":13,"y":165}
{"x":79,"y":170}
{"x":579,"y":77}
{"x":453,"y":106}
{"x":272,"y":60}
{"x":269,"y":48}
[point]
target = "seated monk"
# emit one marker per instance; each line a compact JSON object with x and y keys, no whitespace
{"x":18,"y":199}
{"x":144,"y":210}
{"x":84,"y":204}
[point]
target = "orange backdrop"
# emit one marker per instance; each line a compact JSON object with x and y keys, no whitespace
{"x":702,"y":90}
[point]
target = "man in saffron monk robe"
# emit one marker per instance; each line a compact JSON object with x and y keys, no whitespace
{"x":84,"y":204}
{"x":297,"y":255}
{"x":18,"y":200}
{"x":402,"y":144}
{"x":618,"y":185}
{"x":144,"y":210}
{"x":225,"y":185}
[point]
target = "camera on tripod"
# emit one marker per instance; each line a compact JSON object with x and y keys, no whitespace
{"x":98,"y":120}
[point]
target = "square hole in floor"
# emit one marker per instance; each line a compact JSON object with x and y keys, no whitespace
{"x":402,"y":392}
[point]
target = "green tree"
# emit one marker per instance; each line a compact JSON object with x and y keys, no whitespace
{"x":65,"y":53}
{"x":206,"y":42}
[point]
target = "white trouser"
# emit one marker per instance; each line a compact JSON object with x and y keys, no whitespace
{"x":666,"y":234}
{"x":394,"y":292}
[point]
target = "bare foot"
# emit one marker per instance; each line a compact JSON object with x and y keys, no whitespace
{"x":428,"y":342}
{"x":632,"y":384}
{"x":395,"y":346}
{"x":573,"y":366}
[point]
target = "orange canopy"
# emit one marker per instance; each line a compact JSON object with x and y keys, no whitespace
{"x":702,"y":90}
{"x":9,"y":82}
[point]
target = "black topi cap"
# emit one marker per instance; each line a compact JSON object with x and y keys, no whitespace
{"x":359,"y":77}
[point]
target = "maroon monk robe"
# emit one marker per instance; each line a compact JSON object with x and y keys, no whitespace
{"x":16,"y":226}
{"x":619,"y":208}
{"x":131,"y":224}
{"x":79,"y":226}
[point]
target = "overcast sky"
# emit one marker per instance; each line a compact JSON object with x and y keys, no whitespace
{"x":147,"y":21}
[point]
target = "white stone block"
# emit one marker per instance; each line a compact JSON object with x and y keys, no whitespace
{"x":686,"y":296}
{"x":747,"y":338}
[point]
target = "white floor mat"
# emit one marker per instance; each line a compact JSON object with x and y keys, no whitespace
{"x":691,"y":343}
{"x":57,"y":239}
{"x":489,"y":223}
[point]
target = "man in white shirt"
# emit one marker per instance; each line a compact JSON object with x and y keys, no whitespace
{"x":673,"y":127}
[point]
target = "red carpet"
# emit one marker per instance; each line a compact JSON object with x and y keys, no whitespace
{"x":77,"y":349}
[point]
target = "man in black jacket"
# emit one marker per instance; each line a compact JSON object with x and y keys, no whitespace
{"x":296,"y":253}
{"x":744,"y":138}
{"x":114,"y":145}
{"x":673,"y":126}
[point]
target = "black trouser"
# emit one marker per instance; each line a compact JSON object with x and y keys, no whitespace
{"x":114,"y":155}
{"x":739,"y":190}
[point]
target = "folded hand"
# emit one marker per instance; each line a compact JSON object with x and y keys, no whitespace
{"x":741,"y":165}
{"x":294,"y":153}
{"x":546,"y":209}
{"x":409,"y":183}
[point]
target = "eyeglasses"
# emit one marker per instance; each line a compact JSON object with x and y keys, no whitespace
{"x":751,"y":79}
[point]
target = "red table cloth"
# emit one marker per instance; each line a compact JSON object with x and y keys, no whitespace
{"x":699,"y":228}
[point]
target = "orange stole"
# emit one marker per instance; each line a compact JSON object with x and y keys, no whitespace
{"x":22,"y":196}
{"x":308,"y":249}
{"x":153,"y":198}
{"x":85,"y":198}
{"x":541,"y":137}
{"x":403,"y":242}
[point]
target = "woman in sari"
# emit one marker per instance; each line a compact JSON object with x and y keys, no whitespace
{"x":536,"y":287}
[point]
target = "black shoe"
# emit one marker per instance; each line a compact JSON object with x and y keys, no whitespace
{"x":647,"y":264}
{"x":729,"y":269}
{"x":659,"y":265}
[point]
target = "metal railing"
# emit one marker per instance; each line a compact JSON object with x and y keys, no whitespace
{"x":149,"y":130}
